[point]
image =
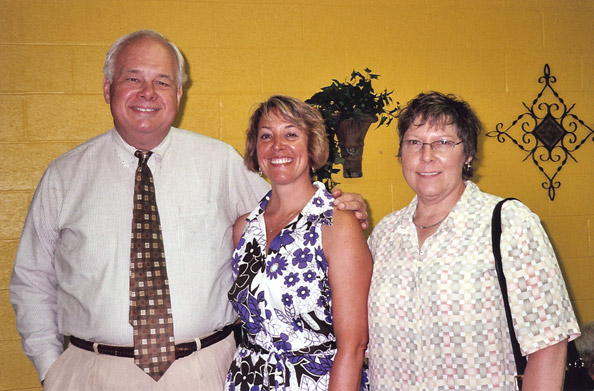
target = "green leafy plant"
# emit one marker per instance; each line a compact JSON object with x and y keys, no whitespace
{"x":354,"y":99}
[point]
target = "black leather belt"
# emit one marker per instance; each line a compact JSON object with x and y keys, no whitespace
{"x":181,"y":350}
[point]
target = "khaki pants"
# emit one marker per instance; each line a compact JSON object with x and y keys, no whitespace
{"x":80,"y":370}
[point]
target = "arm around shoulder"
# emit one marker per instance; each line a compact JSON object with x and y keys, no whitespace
{"x":353,"y":202}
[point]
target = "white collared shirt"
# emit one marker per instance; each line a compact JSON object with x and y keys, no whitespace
{"x":71,"y":274}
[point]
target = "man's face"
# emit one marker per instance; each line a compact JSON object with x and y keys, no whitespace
{"x":143,"y":95}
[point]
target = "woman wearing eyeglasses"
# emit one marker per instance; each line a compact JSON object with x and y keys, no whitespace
{"x":436,"y":314}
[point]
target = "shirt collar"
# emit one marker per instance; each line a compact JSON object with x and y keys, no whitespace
{"x":462,"y":210}
{"x":458,"y":213}
{"x":125,"y":151}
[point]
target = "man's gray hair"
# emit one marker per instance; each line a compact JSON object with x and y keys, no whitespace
{"x":108,"y":67}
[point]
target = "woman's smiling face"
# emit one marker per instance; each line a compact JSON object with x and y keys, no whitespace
{"x":282,"y":150}
{"x":434,"y":176}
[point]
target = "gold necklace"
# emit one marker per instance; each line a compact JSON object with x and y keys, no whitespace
{"x":284,"y":222}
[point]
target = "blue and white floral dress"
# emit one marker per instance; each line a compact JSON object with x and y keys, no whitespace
{"x":283,"y":300}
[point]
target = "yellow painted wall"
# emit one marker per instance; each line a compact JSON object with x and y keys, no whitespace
{"x":491,"y":52}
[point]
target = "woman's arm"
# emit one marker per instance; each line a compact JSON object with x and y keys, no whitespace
{"x":349,"y":271}
{"x":546,"y":368}
{"x":538,"y":298}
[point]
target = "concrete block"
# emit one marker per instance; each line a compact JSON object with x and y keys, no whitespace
{"x":11,"y":18}
{"x":579,"y":277}
{"x":7,"y":253}
{"x":342,"y":27}
{"x":87,"y":65}
{"x":278,"y":17}
{"x":35,"y":68}
{"x":568,"y":30}
{"x":12,"y":117}
{"x":24,"y":164}
{"x":67,"y":117}
{"x":568,"y":246}
{"x":587,"y":72}
{"x":574,"y":198}
{"x":187,"y":24}
{"x":426,"y":29}
{"x":21,"y":373}
{"x":7,"y":326}
{"x":201,"y":114}
{"x":12,"y":223}
{"x":301,"y":69}
{"x":464,"y":72}
{"x":238,"y":71}
{"x":504,"y":29}
{"x":238,"y":26}
{"x":86,"y":22}
{"x":584,"y":310}
{"x":401,"y":71}
{"x":524,"y":70}
{"x":202,"y":71}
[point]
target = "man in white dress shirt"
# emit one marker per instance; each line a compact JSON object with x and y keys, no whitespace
{"x":71,"y":273}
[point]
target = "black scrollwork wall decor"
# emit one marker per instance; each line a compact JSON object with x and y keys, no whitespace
{"x":551,"y":133}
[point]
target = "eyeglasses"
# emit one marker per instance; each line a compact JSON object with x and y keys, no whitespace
{"x":437,"y":145}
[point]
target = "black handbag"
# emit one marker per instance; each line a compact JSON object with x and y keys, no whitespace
{"x":496,"y":238}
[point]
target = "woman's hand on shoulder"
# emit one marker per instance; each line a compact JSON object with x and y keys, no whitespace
{"x":347,"y":252}
{"x":353,"y":202}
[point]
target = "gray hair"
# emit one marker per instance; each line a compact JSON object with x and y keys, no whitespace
{"x":116,"y":48}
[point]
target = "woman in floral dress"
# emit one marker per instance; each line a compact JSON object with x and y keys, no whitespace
{"x":302,"y":268}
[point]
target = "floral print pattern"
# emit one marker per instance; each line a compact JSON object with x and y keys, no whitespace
{"x":283,"y":299}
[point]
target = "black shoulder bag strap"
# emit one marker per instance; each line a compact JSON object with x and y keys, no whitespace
{"x":496,"y":237}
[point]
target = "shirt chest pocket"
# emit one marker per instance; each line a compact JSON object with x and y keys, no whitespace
{"x":201,"y":230}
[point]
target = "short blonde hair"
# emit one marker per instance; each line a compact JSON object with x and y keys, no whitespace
{"x":297,"y":113}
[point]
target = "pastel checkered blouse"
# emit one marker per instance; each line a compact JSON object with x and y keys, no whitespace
{"x":436,"y":315}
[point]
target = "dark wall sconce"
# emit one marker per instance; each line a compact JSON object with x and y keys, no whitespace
{"x":548,"y":132}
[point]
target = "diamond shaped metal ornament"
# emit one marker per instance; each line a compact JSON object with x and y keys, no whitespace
{"x":548,"y":132}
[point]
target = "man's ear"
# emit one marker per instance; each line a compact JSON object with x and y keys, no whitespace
{"x":180,"y":92}
{"x":106,"y":90}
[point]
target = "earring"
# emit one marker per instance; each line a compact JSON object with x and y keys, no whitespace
{"x":260,"y":171}
{"x":467,"y":167}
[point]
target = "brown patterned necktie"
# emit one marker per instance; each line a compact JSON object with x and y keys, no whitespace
{"x":150,"y":304}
